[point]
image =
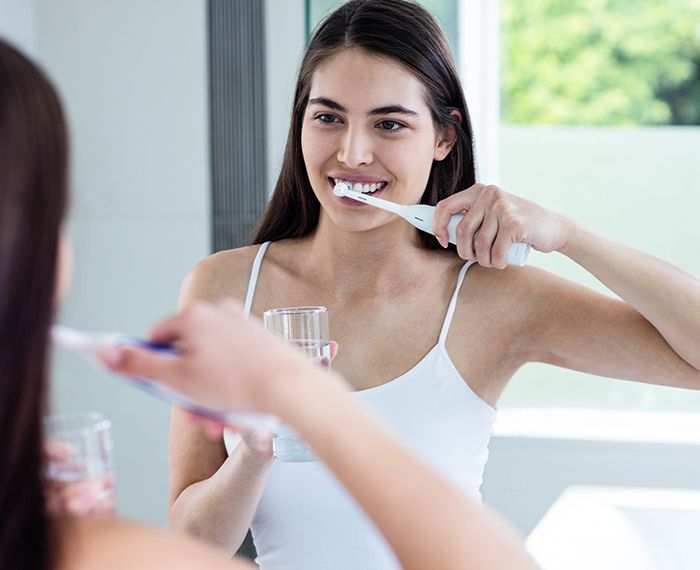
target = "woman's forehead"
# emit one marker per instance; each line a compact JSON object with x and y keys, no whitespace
{"x":357,"y":79}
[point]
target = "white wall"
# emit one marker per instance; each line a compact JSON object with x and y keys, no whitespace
{"x":133,"y":76}
{"x":285,"y":24}
{"x":18,"y":24}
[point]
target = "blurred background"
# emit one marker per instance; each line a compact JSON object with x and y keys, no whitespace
{"x":179,"y":112}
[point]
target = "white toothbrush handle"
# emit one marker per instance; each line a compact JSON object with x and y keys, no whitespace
{"x":517,"y":254}
{"x":421,"y":216}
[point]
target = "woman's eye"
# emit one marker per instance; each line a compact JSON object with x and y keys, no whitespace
{"x":327,"y":118}
{"x":390,"y":125}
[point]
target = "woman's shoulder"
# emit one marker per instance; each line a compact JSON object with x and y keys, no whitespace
{"x":517,"y":294}
{"x":222,"y":274}
{"x":511,"y":281}
{"x":120,"y":545}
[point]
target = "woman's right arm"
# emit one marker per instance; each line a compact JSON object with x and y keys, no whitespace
{"x":213,"y":496}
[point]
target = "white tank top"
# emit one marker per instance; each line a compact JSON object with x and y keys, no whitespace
{"x":306,"y":519}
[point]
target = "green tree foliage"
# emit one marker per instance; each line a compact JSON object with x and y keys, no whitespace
{"x":601,"y":62}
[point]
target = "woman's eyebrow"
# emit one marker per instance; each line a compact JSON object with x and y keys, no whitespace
{"x":385,"y":110}
{"x":390,"y":109}
{"x":328,"y":103}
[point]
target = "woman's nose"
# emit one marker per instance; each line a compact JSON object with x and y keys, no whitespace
{"x":355,"y":148}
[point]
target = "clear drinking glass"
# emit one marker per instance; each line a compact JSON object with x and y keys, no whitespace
{"x":79,"y":464}
{"x":307,"y":329}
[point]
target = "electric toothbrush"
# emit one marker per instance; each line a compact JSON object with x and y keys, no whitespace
{"x":421,"y":216}
{"x":87,"y":344}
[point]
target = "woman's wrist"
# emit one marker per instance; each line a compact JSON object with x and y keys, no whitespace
{"x":577,"y":237}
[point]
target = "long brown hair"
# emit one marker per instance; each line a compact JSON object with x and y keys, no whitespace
{"x":408,"y":34}
{"x":33,"y":188}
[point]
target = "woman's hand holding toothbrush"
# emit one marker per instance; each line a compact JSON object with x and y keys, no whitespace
{"x":237,"y":365}
{"x":493,"y":220}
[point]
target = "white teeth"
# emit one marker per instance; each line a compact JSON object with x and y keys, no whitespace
{"x":362,"y":188}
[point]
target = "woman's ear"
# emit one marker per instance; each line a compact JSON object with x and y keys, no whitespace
{"x":446,"y":140}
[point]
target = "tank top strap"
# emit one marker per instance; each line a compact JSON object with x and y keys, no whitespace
{"x":254,"y":272}
{"x":453,"y":303}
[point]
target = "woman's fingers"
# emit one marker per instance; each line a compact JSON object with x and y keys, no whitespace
{"x":484,"y":240}
{"x":457,"y":203}
{"x":258,"y":441}
{"x":58,"y":451}
{"x":172,"y":329}
{"x":501,"y":246}
{"x":212,"y":428}
{"x":467,"y":230}
{"x":141,"y":363}
{"x":493,"y":221}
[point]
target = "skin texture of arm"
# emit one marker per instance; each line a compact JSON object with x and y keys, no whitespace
{"x":213,"y":496}
{"x":427,"y":521}
{"x":111,"y":544}
{"x":666,"y":296}
{"x":647,"y":337}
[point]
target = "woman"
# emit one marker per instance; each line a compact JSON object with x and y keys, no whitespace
{"x":424,"y":344}
{"x":33,"y":272}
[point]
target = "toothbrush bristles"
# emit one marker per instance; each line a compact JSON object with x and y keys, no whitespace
{"x":341,"y":189}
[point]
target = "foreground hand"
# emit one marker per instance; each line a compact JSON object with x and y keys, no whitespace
{"x":226,"y":362}
{"x":494,"y":220}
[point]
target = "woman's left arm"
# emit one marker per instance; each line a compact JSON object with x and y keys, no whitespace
{"x":665,"y":295}
{"x":652,"y":336}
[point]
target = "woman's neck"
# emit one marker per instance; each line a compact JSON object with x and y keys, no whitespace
{"x":371,"y":261}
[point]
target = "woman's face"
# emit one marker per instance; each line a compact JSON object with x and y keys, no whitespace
{"x":367,"y":122}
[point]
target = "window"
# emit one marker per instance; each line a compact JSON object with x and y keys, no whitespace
{"x":607,"y":63}
{"x":600,"y":107}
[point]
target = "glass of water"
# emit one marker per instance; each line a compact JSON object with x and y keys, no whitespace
{"x":307,"y":329}
{"x":79,"y":468}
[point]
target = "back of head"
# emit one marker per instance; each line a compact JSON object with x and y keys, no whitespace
{"x":33,"y":187}
{"x":406,"y":33}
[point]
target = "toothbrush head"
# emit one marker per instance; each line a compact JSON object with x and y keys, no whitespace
{"x":342,"y":188}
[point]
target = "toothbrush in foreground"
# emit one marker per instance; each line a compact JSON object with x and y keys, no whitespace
{"x":87,"y":344}
{"x":421,"y":216}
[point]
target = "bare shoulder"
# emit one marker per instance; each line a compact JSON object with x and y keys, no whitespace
{"x":120,"y":545}
{"x":512,"y":305}
{"x":524,"y":305}
{"x":520,"y":290}
{"x":222,"y":274}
